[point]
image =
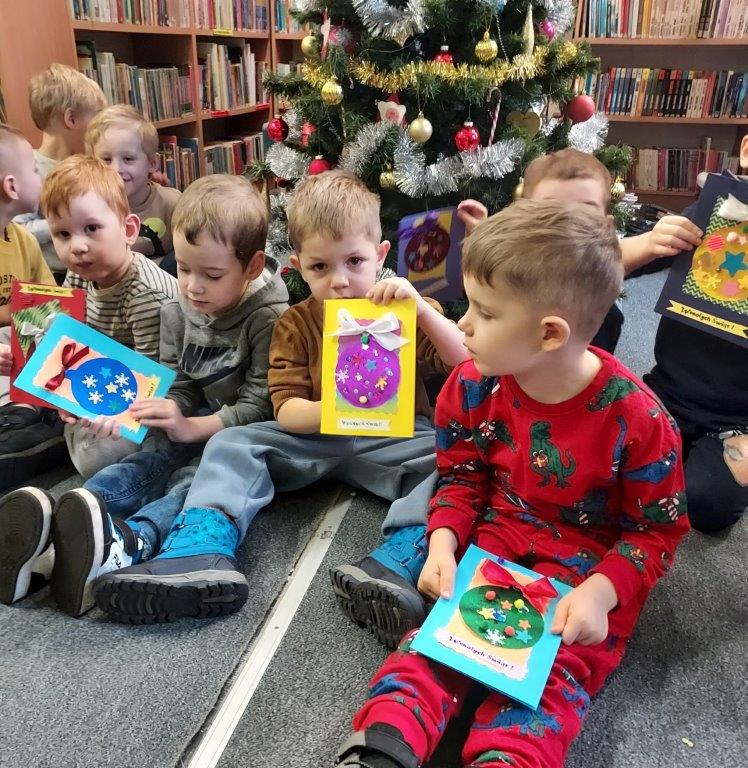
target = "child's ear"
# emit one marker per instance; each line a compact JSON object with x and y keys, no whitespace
{"x":744,"y":152}
{"x":132,"y":228}
{"x":254,"y":266}
{"x":556,"y":333}
{"x":293,"y":260}
{"x":382,"y":250}
{"x":68,"y":118}
{"x":153,"y":163}
{"x":8,"y":187}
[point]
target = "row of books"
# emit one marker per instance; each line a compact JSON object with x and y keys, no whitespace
{"x":160,"y":93}
{"x":233,"y":154}
{"x":229,"y":76}
{"x":648,"y":92}
{"x":284,"y":22}
{"x":205,"y":14}
{"x":675,"y":169}
{"x":664,"y":18}
{"x":178,"y":160}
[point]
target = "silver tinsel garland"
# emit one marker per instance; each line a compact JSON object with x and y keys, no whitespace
{"x":588,"y":136}
{"x":398,"y":24}
{"x":287,"y":163}
{"x":307,"y":6}
{"x":293,"y":120}
{"x":561,"y":13}
{"x":368,"y":140}
{"x":277,"y":244}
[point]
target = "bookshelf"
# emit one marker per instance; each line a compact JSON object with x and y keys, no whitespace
{"x":650,"y":34}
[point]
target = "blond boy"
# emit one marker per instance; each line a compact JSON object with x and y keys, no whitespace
{"x":62,"y":102}
{"x":125,"y":140}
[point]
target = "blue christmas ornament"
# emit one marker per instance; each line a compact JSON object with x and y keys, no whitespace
{"x":103,"y":386}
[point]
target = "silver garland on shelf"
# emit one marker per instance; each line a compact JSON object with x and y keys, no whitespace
{"x":398,"y":24}
{"x":561,"y":14}
{"x":368,"y":140}
{"x":287,"y":163}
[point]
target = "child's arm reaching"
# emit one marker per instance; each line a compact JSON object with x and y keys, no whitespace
{"x":442,"y":332}
{"x":670,"y":236}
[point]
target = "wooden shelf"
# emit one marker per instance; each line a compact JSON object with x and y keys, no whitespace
{"x":138,"y":29}
{"x":217,"y":114}
{"x":675,"y":120}
{"x":170,"y":123}
{"x":658,"y":41}
{"x":667,"y":192}
{"x":249,"y":34}
{"x":290,"y":35}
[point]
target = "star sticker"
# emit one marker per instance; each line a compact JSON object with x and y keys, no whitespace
{"x":89,"y":381}
{"x":112,"y":405}
{"x":371,"y":365}
{"x":111,"y":388}
{"x":734,"y":263}
{"x":506,"y":605}
{"x":523,"y":635}
{"x":95,"y":397}
{"x":524,"y":624}
{"x":128,"y":395}
{"x":105,"y":373}
{"x":122,"y":379}
{"x":743,"y":282}
{"x":495,"y":637}
{"x":486,"y":613}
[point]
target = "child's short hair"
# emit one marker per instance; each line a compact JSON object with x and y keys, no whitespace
{"x":122,"y":116}
{"x":228,"y":209}
{"x":332,"y":204}
{"x":564,"y":165}
{"x":61,"y":87}
{"x":74,"y":177}
{"x":556,"y":255}
{"x":9,"y":139}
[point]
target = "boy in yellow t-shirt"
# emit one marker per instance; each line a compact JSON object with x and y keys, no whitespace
{"x":27,"y":438}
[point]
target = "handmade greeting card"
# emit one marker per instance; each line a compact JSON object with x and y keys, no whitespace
{"x":496,"y":626}
{"x":88,"y":374}
{"x":708,"y":287}
{"x":369,"y":368}
{"x":33,"y":308}
{"x":429,"y":253}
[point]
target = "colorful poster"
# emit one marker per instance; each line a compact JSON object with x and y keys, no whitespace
{"x":708,"y":287}
{"x":88,"y":374}
{"x":33,"y":309}
{"x":369,"y":368}
{"x":496,"y":626}
{"x":429,"y":247}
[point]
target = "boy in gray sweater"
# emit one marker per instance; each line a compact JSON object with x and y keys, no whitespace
{"x":217,"y":336}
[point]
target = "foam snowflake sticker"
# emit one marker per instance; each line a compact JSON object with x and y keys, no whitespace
{"x":89,"y":381}
{"x":122,"y":379}
{"x":128,"y":395}
{"x":341,"y":375}
{"x":95,"y":397}
{"x":495,"y":637}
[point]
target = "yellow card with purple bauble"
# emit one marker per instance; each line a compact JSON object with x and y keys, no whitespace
{"x":368,"y":368}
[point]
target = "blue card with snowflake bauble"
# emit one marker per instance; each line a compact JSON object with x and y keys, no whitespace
{"x":88,"y":374}
{"x":496,"y":626}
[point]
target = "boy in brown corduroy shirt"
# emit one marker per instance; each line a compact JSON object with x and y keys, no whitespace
{"x":333,"y":224}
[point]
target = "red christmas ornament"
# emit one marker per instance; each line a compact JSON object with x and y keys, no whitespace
{"x":318,"y":165}
{"x":579,"y":109}
{"x":278,"y":129}
{"x":444,"y":56}
{"x":307,"y":130}
{"x":467,"y":138}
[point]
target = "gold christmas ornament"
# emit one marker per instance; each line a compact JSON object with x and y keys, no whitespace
{"x":332,"y":92}
{"x":310,"y":46}
{"x":518,"y":190}
{"x":486,"y":49}
{"x":387,"y":178}
{"x":420,"y":129}
{"x":617,"y":190}
{"x":528,"y":121}
{"x":528,"y":32}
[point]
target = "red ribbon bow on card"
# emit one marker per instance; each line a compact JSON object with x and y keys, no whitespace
{"x":68,"y":358}
{"x":536,"y":592}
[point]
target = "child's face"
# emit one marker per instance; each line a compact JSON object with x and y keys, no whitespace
{"x":210,"y":277}
{"x":340,"y":269}
{"x":92,"y":240}
{"x":121,"y":148}
{"x":502,"y":332}
{"x":26,"y":183}
{"x":588,"y":191}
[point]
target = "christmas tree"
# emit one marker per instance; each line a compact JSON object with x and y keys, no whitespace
{"x":430,"y":102}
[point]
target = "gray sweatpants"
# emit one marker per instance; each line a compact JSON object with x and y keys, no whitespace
{"x":243,"y":467}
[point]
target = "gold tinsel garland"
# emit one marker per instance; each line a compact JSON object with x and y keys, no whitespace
{"x":522,"y":67}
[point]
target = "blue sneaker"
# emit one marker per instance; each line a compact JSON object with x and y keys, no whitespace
{"x":195,"y":575}
{"x":379,"y":592}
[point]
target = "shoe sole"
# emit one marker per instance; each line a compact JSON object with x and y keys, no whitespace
{"x":78,"y":534}
{"x":18,"y":467}
{"x":149,"y":599}
{"x":25,"y":518}
{"x":382,"y":608}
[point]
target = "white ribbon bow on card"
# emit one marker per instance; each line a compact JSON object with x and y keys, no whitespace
{"x":733,"y":209}
{"x":380,"y":329}
{"x":34,"y":331}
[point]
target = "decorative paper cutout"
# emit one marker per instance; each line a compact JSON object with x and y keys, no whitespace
{"x":368,"y":368}
{"x":496,"y":626}
{"x":88,"y":374}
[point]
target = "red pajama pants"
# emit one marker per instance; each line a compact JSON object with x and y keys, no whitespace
{"x":420,"y":697}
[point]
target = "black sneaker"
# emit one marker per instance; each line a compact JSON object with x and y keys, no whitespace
{"x":25,"y":517}
{"x":169,"y":589}
{"x":29,"y":441}
{"x":378,"y":599}
{"x":87,"y":544}
{"x":379,"y":746}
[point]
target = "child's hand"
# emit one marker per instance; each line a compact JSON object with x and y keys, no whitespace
{"x":5,"y":360}
{"x":395,"y":288}
{"x":102,"y":427}
{"x":671,"y":235}
{"x":163,"y":413}
{"x":438,"y":575}
{"x":471,"y":213}
{"x":159,"y":178}
{"x":66,"y":417}
{"x":582,"y":615}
